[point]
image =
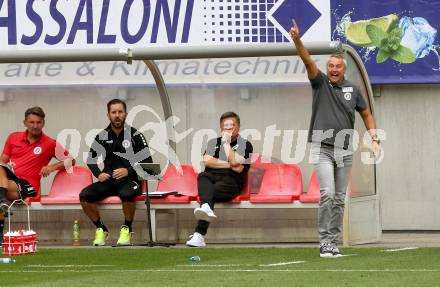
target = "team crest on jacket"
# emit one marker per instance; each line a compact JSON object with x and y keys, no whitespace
{"x":38,"y":150}
{"x":126,"y":143}
{"x":347,"y":92}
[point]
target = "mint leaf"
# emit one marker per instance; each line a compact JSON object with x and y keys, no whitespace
{"x":396,"y":33}
{"x":403,"y":55}
{"x":395,"y":42}
{"x":376,"y":35}
{"x":382,"y":56}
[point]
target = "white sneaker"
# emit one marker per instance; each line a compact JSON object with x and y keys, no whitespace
{"x":196,"y":240}
{"x":326,"y":250}
{"x":204,"y":213}
{"x":335,"y":251}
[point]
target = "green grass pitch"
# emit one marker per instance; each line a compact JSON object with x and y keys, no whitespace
{"x":275,"y":267}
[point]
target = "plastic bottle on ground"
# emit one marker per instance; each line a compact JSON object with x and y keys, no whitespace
{"x":195,"y":258}
{"x":7,"y":260}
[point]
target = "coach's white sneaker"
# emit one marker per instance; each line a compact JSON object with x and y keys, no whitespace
{"x":196,"y":240}
{"x":335,"y":251}
{"x":204,"y":213}
{"x":326,"y":250}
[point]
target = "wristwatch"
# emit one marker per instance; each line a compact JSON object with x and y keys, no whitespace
{"x":375,"y":138}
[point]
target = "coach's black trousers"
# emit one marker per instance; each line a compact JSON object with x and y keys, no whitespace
{"x":215,"y":188}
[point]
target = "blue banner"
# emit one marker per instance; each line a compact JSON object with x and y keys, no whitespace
{"x":396,"y":39}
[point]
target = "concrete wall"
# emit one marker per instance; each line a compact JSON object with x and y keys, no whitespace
{"x":233,"y":226}
{"x":408,"y":179}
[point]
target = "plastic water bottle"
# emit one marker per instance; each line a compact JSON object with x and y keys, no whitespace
{"x":7,"y":260}
{"x":195,"y":258}
{"x":76,"y":233}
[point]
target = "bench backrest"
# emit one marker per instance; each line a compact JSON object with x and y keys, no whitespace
{"x":313,"y":192}
{"x":182,"y":179}
{"x":281,"y":179}
{"x":67,"y":184}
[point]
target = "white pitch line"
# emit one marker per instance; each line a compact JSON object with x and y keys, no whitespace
{"x":339,"y":256}
{"x":238,"y":265}
{"x":400,"y":249}
{"x":212,"y":265}
{"x":65,"y":266}
{"x":225,"y":270}
{"x":282,"y":263}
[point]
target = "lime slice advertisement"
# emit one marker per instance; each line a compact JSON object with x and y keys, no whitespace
{"x":356,"y":32}
{"x":397,"y":40}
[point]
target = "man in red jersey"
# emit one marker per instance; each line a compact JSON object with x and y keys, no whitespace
{"x":25,"y":159}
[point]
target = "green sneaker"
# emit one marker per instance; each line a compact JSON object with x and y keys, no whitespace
{"x":100,"y":237}
{"x":124,"y":236}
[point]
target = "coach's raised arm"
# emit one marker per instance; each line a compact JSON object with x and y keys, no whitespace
{"x":331,"y":131}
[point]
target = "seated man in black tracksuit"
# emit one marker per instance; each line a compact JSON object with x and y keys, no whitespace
{"x":122,"y":147}
{"x":227,"y":161}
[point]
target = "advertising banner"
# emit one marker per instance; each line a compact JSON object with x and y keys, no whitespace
{"x":396,"y":39}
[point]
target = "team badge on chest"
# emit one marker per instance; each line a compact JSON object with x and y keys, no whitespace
{"x":347,"y":92}
{"x":38,"y":150}
{"x":126,"y":143}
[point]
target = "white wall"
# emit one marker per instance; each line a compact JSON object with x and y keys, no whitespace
{"x":409,"y":178}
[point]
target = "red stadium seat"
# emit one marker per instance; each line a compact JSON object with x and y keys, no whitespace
{"x":313,"y":192}
{"x":185,"y":184}
{"x":114,"y":200}
{"x":280,"y":183}
{"x":66,"y":186}
{"x":245,"y":193}
{"x":183,"y":181}
{"x":251,"y":181}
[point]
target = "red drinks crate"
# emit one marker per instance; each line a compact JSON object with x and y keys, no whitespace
{"x":20,"y":242}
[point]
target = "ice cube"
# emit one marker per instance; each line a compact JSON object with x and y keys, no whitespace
{"x":418,"y":35}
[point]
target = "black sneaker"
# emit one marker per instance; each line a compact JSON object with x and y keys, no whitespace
{"x":326,"y":250}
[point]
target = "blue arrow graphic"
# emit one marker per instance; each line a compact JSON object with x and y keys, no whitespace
{"x":304,"y":13}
